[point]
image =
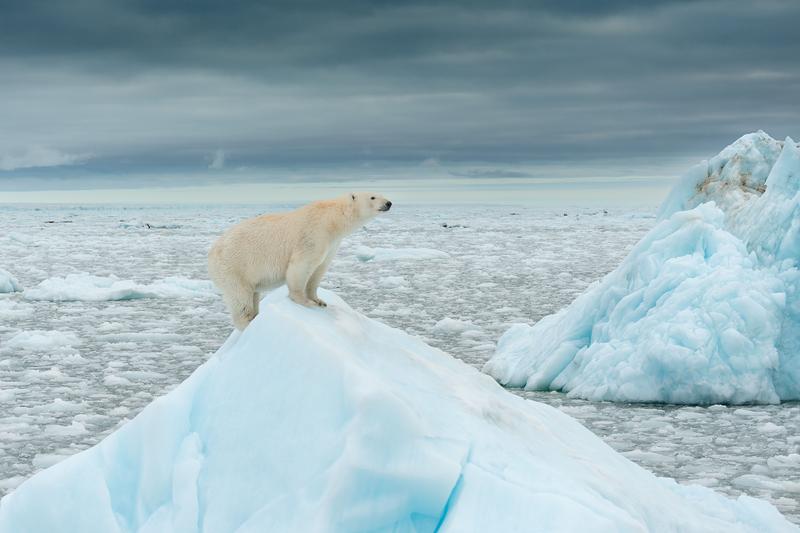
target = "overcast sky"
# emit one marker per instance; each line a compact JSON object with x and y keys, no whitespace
{"x":109,"y":93}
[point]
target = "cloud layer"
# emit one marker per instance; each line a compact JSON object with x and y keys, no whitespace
{"x":39,"y":157}
{"x":154,"y":87}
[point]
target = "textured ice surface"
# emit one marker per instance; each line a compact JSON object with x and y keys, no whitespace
{"x":8,"y":283}
{"x":705,"y":308}
{"x":132,"y":351}
{"x":325,"y":420}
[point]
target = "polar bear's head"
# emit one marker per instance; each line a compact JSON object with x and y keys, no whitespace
{"x":369,"y":204}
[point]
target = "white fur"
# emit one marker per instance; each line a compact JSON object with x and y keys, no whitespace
{"x":262,"y":253}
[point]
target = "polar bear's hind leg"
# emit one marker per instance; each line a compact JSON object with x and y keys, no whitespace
{"x":242,"y":302}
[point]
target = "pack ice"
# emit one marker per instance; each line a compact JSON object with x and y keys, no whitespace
{"x":325,"y":420}
{"x":704,"y":309}
{"x":8,"y":283}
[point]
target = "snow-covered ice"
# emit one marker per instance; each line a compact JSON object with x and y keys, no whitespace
{"x":325,"y":420}
{"x":82,"y":286}
{"x":8,"y":283}
{"x":706,"y":307}
{"x":136,"y":350}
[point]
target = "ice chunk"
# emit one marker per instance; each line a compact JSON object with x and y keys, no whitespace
{"x":44,"y":460}
{"x":737,"y":175}
{"x":21,"y":238}
{"x":365,"y":253}
{"x":41,"y":340}
{"x":8,"y":283}
{"x":75,"y":428}
{"x":86,"y":287}
{"x":392,"y":281}
{"x":10,"y":309}
{"x":325,"y":420}
{"x":451,"y":325}
{"x":705,"y":309}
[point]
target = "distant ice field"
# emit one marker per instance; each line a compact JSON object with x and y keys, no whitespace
{"x":114,"y":311}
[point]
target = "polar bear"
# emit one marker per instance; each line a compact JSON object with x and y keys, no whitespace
{"x":262,"y":253}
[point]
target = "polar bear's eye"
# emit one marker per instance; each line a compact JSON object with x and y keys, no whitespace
{"x":372,"y":198}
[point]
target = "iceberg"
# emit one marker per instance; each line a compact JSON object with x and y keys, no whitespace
{"x":8,"y":283}
{"x":705,"y":309}
{"x":325,"y":420}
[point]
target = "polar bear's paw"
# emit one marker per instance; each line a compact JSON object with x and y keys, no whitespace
{"x":306,"y":301}
{"x":243,"y":319}
{"x":319,"y":302}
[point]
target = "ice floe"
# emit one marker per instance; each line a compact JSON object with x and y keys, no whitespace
{"x":41,"y":340}
{"x":86,"y":287}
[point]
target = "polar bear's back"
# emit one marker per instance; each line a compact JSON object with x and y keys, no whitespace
{"x":263,"y":245}
{"x":253,"y":246}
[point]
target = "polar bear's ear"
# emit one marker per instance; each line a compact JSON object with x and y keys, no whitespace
{"x":353,"y":196}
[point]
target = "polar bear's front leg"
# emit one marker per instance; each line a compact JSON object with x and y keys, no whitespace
{"x":313,"y":283}
{"x":297,"y":276}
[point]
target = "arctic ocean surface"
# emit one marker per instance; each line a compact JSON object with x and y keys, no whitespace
{"x":78,"y":359}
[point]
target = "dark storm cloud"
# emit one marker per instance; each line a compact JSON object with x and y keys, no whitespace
{"x":133,"y":87}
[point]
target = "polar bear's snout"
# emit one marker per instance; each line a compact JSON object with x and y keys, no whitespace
{"x":386,"y":206}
